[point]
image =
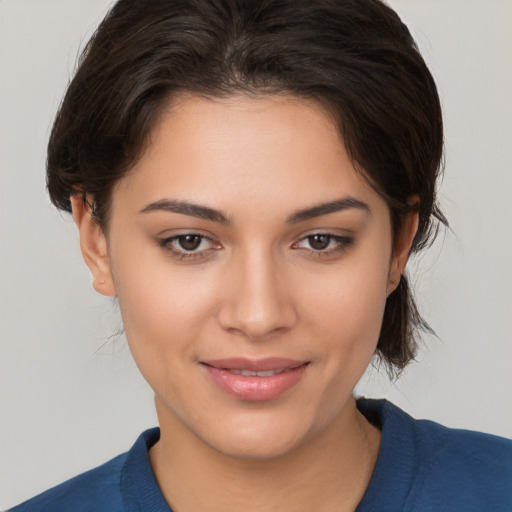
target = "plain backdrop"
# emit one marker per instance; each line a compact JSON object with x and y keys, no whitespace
{"x":71,"y":396}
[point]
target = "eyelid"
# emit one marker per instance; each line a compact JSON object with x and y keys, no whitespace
{"x":333,"y":232}
{"x":344,"y":242}
{"x":165,"y":243}
{"x":183,"y":231}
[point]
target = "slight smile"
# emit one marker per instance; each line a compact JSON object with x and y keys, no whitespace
{"x":255,"y":380}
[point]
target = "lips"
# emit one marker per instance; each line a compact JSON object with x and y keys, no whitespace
{"x":250,"y":373}
{"x":255,"y":380}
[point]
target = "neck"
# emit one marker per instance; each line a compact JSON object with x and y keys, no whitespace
{"x":327,"y":473}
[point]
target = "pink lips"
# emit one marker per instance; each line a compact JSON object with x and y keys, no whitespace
{"x":255,"y":380}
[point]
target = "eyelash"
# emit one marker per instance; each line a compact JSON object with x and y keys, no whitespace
{"x":183,"y":254}
{"x":342,"y":244}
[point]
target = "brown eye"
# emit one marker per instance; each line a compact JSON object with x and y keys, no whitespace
{"x":189,"y":246}
{"x":324,"y":244}
{"x":319,"y":242}
{"x":189,"y":242}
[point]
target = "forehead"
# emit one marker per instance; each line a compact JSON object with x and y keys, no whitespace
{"x":244,"y":151}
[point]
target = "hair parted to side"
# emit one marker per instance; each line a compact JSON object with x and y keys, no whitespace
{"x":353,"y":57}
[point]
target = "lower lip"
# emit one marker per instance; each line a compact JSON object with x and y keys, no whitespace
{"x":255,"y":389}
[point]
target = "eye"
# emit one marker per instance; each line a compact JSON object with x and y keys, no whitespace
{"x":188,"y":245}
{"x":189,"y":242}
{"x":319,"y":242}
{"x":324,"y":243}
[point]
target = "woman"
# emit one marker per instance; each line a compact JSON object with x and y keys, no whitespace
{"x":249,"y":179}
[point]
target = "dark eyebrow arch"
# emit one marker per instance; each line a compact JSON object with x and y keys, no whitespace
{"x":186,"y":208}
{"x":345,"y":203}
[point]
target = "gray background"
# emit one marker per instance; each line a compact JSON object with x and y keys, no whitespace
{"x":70,"y":395}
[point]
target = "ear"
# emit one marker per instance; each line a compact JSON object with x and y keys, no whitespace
{"x":93,"y":244}
{"x":402,"y":248}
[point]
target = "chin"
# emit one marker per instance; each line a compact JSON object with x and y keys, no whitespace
{"x":257,"y":446}
{"x":262,"y":435}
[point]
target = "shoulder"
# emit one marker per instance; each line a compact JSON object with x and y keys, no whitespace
{"x":95,"y":490}
{"x":463,"y":450}
{"x":124,"y":483}
{"x":426,"y":466}
{"x":475,"y":467}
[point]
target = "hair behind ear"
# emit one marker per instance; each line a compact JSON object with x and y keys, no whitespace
{"x":398,"y":340}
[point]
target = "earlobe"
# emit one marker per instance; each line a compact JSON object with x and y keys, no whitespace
{"x":93,"y":244}
{"x":401,"y":251}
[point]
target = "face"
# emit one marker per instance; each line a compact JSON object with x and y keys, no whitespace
{"x":251,"y":263}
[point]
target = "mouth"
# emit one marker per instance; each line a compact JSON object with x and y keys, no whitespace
{"x":255,"y":380}
{"x":250,"y":373}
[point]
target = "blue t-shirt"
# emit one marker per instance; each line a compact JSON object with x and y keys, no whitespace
{"x":422,"y":466}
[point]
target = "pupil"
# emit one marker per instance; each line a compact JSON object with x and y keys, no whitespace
{"x":189,"y":242}
{"x":319,"y":242}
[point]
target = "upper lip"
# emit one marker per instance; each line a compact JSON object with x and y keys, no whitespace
{"x":255,"y":365}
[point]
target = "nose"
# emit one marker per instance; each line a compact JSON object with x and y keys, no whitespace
{"x":256,"y":299}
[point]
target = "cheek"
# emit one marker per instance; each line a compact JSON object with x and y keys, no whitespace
{"x":353,"y":295}
{"x":163,"y":309}
{"x":345,"y":312}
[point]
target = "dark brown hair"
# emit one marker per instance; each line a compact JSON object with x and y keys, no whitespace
{"x":354,"y":57}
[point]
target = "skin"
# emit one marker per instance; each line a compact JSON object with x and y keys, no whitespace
{"x":256,"y":287}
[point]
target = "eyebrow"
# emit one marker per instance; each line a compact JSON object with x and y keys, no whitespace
{"x":186,"y":208}
{"x":204,"y":212}
{"x":346,"y":203}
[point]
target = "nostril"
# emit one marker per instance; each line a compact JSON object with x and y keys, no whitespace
{"x":256,"y":325}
